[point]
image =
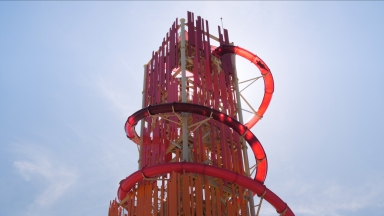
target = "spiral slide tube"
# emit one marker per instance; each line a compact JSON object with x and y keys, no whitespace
{"x":255,"y":185}
{"x":254,"y":143}
{"x":141,"y":186}
{"x":265,"y":72}
{"x":207,"y":170}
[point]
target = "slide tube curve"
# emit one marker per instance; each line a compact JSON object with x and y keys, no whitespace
{"x":204,"y":169}
{"x":265,"y":72}
{"x":254,"y":143}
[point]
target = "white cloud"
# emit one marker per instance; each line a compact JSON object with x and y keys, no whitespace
{"x":26,"y":169}
{"x":326,"y":198}
{"x":336,"y":199}
{"x":38,"y":166}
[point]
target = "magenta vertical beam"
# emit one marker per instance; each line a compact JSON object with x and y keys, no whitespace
{"x":177,"y":41}
{"x":208,"y":66}
{"x":198,"y":37}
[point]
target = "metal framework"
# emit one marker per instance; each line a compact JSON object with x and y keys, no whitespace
{"x":193,"y":142}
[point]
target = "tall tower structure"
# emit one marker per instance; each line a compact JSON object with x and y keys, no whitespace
{"x":192,"y":140}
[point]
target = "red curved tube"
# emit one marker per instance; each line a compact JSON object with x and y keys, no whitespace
{"x":254,"y":143}
{"x":203,"y":169}
{"x":267,"y":76}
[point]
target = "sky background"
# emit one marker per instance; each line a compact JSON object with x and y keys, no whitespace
{"x":71,"y":74}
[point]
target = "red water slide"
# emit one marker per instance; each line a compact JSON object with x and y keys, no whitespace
{"x":253,"y":142}
{"x":261,"y":190}
{"x":265,"y":72}
{"x":255,"y":185}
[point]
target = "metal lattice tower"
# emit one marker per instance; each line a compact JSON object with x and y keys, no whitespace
{"x":193,"y":142}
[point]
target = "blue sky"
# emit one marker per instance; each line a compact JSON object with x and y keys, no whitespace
{"x":71,"y":73}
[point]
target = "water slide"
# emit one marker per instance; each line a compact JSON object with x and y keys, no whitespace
{"x":257,"y":184}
